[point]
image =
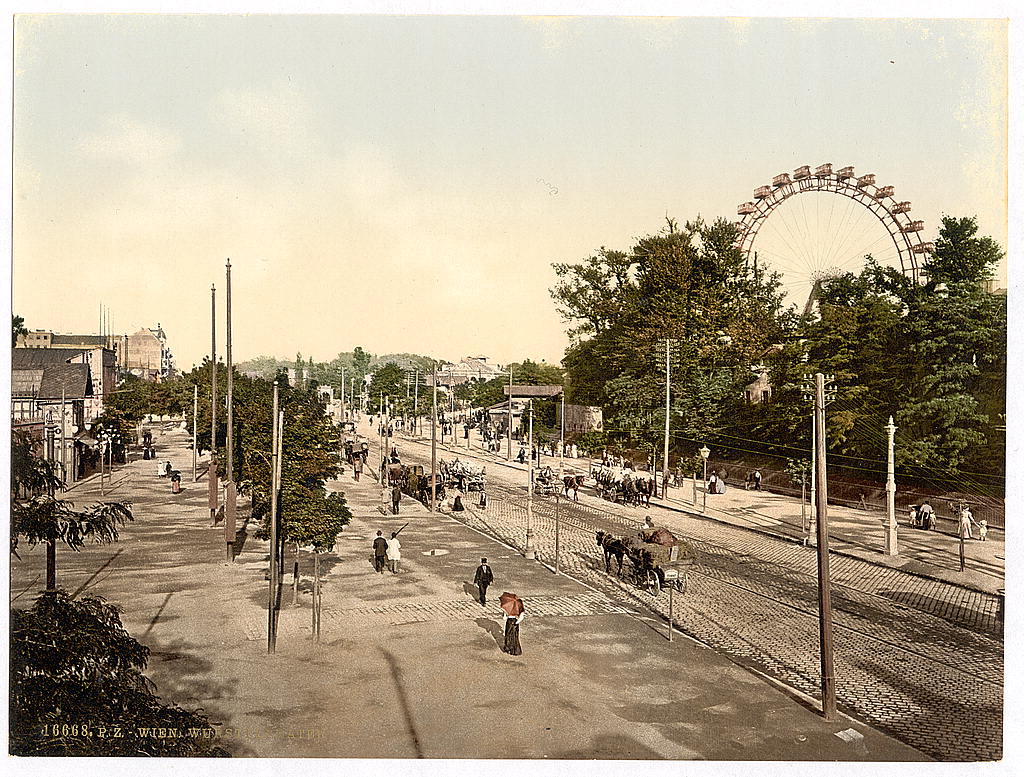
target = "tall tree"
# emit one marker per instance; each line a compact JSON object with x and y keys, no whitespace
{"x":17,"y":328}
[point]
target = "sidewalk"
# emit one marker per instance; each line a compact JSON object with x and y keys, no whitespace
{"x":409,"y":665}
{"x":852,"y":532}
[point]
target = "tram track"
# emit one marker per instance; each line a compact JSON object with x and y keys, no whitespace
{"x":898,"y":667}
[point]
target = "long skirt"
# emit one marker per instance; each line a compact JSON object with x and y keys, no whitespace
{"x":512,"y":646}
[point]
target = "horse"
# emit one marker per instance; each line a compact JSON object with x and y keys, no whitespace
{"x":573,"y":482}
{"x":630,"y":495}
{"x":645,"y":488}
{"x":612,"y":546}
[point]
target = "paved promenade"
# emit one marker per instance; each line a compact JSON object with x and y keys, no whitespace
{"x":409,"y":665}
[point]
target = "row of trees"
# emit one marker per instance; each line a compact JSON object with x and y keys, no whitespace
{"x":933,"y":355}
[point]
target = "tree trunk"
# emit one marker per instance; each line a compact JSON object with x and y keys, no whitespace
{"x":51,"y":564}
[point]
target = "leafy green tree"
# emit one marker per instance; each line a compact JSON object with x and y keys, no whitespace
{"x":17,"y":328}
{"x":961,"y":257}
{"x":388,"y":380}
{"x":360,"y":363}
{"x":688,"y":284}
{"x":38,"y":515}
{"x":76,"y":674}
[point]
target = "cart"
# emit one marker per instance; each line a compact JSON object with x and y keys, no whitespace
{"x":660,"y":560}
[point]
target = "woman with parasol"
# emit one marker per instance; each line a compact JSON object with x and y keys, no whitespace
{"x":514,"y":614}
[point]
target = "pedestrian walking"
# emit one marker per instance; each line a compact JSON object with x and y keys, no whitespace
{"x":757,"y":480}
{"x":396,"y":497}
{"x":483,"y":578}
{"x":357,"y":467}
{"x":514,"y":612}
{"x":713,"y":483}
{"x":926,"y":516}
{"x":966,"y":519}
{"x":394,"y":552}
{"x":380,"y":549}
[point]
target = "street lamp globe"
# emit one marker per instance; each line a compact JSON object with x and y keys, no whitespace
{"x":705,"y":452}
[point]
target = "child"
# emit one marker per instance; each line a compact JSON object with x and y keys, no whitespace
{"x":983,"y":530}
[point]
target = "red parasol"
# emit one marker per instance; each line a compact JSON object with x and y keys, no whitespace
{"x":511,"y":604}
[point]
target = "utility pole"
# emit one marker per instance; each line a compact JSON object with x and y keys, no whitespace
{"x":212,"y":471}
{"x":809,"y":393}
{"x":530,"y":552}
{"x":561,"y":476}
{"x":63,"y":436}
{"x":51,"y":539}
{"x":891,"y":542}
{"x":828,"y":683}
{"x":232,"y":493}
{"x":271,"y":620}
{"x":344,"y":414}
{"x":195,"y":428}
{"x":433,"y":448}
{"x":668,"y":406}
{"x":509,"y":456}
{"x":416,"y":405}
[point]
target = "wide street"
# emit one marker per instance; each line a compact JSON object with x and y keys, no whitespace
{"x":409,"y":665}
{"x":916,"y":656}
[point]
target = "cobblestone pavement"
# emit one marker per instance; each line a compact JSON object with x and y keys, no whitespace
{"x":431,"y":610}
{"x":920,"y":659}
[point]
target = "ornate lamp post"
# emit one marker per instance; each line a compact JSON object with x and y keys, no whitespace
{"x":704,"y":453}
{"x":891,"y":543}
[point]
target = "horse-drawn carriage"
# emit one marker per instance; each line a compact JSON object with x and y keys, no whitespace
{"x":463,"y":475}
{"x":546,"y":482}
{"x":658,"y":559}
{"x":624,"y":484}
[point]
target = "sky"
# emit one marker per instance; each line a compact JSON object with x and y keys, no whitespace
{"x":404,"y":183}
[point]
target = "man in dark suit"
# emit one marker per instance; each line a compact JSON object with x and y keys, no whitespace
{"x":483,"y":578}
{"x":380,"y":547}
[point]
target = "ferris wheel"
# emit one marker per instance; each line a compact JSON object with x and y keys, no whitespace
{"x":819,"y":235}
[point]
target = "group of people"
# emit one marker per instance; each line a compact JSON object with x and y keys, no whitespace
{"x":716,"y":484}
{"x":387,"y":554}
{"x":922,"y":516}
{"x":482,"y":579}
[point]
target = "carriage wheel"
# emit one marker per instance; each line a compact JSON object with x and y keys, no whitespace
{"x":653,"y":581}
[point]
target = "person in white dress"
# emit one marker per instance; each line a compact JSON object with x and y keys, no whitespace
{"x":394,"y":552}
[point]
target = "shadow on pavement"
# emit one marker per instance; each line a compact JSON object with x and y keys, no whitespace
{"x":396,"y":675}
{"x":493,"y":629}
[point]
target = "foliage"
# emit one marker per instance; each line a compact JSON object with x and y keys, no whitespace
{"x":690,"y":285}
{"x":38,"y":515}
{"x":933,"y":355}
{"x":17,"y":328}
{"x":388,"y":380}
{"x":72,"y":662}
{"x":592,"y":441}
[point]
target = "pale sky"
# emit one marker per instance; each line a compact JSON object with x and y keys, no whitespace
{"x":404,"y":183}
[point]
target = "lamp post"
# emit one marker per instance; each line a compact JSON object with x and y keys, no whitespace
{"x":704,"y":453}
{"x":668,"y":412}
{"x":891,"y":542}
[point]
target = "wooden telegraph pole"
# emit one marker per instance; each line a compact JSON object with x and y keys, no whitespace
{"x":272,"y":600}
{"x":433,"y":449}
{"x":212,"y":472}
